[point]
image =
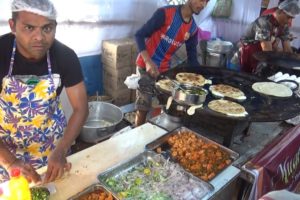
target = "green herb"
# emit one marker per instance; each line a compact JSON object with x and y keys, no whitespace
{"x":39,"y":193}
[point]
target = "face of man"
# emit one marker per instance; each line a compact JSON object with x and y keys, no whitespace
{"x":34,"y":34}
{"x":197,"y":5}
{"x":284,"y":19}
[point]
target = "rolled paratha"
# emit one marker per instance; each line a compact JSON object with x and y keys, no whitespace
{"x":272,"y":89}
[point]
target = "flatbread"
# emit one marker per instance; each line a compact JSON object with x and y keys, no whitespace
{"x":190,"y":78}
{"x":272,"y":89}
{"x":165,"y":84}
{"x":222,"y":90}
{"x":229,"y":108}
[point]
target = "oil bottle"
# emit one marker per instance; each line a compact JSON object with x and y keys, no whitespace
{"x":18,"y":186}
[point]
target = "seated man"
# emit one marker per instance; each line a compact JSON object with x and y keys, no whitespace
{"x":158,"y":40}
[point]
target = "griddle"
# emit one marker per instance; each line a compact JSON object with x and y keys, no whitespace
{"x":261,"y":108}
{"x":279,"y":59}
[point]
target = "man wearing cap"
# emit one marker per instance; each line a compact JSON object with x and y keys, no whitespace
{"x":34,"y":67}
{"x":262,"y":33}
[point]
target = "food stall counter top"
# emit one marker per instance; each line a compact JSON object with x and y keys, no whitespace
{"x":87,"y":164}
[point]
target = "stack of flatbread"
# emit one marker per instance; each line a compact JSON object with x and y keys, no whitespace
{"x":229,"y":108}
{"x":272,"y":89}
{"x":222,"y":90}
{"x":191,"y":78}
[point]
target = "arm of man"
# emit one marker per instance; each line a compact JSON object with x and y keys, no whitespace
{"x":8,"y":161}
{"x":266,"y":45}
{"x":57,"y":163}
{"x":287,"y":46}
{"x":285,"y":40}
{"x":152,"y":25}
{"x":263,"y":33}
{"x":191,"y":49}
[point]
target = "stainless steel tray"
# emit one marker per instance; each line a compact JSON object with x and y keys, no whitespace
{"x":90,"y":189}
{"x":165,"y":147}
{"x":146,"y":159}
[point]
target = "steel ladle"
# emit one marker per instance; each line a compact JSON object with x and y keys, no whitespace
{"x":175,"y":83}
{"x":169,"y":102}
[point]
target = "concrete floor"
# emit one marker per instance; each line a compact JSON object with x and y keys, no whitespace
{"x":259,"y":135}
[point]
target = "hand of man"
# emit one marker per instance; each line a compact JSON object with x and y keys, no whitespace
{"x":27,"y":171}
{"x":57,"y":166}
{"x":152,"y":69}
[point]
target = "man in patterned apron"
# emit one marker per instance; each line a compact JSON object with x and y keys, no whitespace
{"x":34,"y":69}
{"x":262,"y":33}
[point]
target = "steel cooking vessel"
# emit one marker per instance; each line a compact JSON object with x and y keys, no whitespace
{"x":219,"y":46}
{"x":102,"y":119}
{"x":189,"y":95}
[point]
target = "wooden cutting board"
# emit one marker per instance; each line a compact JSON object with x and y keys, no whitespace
{"x":87,"y":164}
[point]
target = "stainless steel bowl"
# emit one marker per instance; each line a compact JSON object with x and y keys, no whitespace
{"x":219,"y":46}
{"x":189,"y":95}
{"x":102,"y":119}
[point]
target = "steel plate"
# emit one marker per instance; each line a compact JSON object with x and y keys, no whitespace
{"x":142,"y":160}
{"x":90,"y":189}
{"x":165,"y":147}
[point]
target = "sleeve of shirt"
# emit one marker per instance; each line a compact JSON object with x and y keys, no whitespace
{"x":191,"y":49}
{"x":69,"y":65}
{"x":262,"y":30}
{"x":285,"y":33}
{"x":73,"y":72}
{"x":153,"y":24}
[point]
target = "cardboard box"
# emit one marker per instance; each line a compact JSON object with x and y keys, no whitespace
{"x":117,"y":53}
{"x":120,"y":72}
{"x":120,"y":97}
{"x":113,"y":82}
{"x":134,"y":54}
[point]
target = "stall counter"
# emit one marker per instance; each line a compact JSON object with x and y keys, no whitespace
{"x":87,"y":164}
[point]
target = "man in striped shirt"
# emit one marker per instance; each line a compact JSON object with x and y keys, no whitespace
{"x":158,"y":40}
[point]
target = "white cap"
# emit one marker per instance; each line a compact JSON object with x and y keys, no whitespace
{"x":40,"y":7}
{"x":290,"y":7}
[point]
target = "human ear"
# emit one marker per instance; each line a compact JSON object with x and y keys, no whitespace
{"x":12,"y":26}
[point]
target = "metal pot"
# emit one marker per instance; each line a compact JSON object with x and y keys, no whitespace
{"x":102,"y":119}
{"x":216,"y":59}
{"x":219,"y":46}
{"x":185,"y":94}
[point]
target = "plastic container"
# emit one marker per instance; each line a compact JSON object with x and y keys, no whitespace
{"x":18,"y":186}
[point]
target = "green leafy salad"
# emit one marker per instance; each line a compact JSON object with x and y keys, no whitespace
{"x":156,"y":179}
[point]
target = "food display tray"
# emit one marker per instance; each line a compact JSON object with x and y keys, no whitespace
{"x":165,"y":148}
{"x":90,"y":189}
{"x":119,"y":172}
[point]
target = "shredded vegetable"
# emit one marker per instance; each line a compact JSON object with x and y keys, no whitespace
{"x":157,"y":179}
